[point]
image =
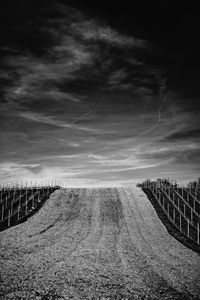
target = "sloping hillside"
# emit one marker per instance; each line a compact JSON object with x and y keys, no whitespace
{"x":96,"y":244}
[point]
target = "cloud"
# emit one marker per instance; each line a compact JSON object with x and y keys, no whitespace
{"x":184,"y":135}
{"x":75,"y":62}
{"x":10,"y":171}
{"x":91,"y":30}
{"x":140,"y":166}
{"x":74,"y":174}
{"x":74,"y":144}
{"x":7,"y":166}
{"x":50,"y":120}
{"x":16,"y":171}
{"x":41,"y":118}
{"x":116,"y":78}
{"x":59,"y":96}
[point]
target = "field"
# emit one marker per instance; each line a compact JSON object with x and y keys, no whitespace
{"x":96,"y":244}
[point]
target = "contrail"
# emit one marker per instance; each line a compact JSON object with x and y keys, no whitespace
{"x":158,"y":120}
{"x":141,"y":134}
{"x":81,"y":117}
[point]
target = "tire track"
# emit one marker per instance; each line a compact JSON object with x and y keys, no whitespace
{"x":151,"y":284}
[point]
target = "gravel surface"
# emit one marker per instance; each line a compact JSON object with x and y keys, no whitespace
{"x":96,"y":244}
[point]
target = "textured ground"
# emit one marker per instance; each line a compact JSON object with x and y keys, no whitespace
{"x":96,"y":244}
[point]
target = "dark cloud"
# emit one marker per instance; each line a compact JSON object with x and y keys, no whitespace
{"x":77,"y":60}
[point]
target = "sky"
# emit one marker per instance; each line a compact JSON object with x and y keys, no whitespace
{"x":99,"y":93}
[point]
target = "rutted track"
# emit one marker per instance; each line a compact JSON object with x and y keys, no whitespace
{"x":96,"y":244}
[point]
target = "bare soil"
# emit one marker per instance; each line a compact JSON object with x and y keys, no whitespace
{"x":96,"y":244}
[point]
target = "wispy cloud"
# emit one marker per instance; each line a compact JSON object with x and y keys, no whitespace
{"x":93,"y":31}
{"x":50,"y":120}
{"x":19,"y":172}
{"x":184,"y":135}
{"x":75,"y":59}
{"x":8,"y":166}
{"x":41,"y":118}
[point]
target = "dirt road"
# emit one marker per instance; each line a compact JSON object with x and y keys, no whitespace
{"x":96,"y":244}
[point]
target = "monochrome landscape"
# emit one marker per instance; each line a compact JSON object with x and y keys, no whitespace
{"x":100,"y":144}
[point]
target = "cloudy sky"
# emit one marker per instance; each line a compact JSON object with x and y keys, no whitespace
{"x":99,"y":94}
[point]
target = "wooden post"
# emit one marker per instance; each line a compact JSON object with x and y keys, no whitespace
{"x":9,"y":218}
{"x":180,"y":223}
{"x":38,"y":195}
{"x":26,"y":209}
{"x":32,"y":201}
{"x":11,"y":208}
{"x":191,"y":216}
{"x":188,"y":228}
{"x":184,"y":209}
{"x":197,"y":233}
{"x":14,"y":192}
{"x":18,"y":212}
{"x":2,"y":212}
{"x":168,"y":209}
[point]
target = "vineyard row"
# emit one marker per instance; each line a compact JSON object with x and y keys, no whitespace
{"x":17,"y":204}
{"x":181,"y":205}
